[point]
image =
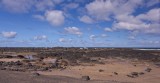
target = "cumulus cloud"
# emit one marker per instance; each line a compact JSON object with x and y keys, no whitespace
{"x":104,"y":9}
{"x":86,"y":19}
{"x":73,"y":30}
{"x":122,"y":12}
{"x":100,"y":9}
{"x":145,"y":23}
{"x":10,"y":34}
{"x":42,"y":37}
{"x":55,"y":17}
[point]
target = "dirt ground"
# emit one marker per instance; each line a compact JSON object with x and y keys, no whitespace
{"x":121,"y":67}
{"x":19,"y":77}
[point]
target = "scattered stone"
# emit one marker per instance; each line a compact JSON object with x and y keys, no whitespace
{"x":148,"y":69}
{"x":86,"y":78}
{"x":157,"y":64}
{"x":115,"y":73}
{"x":135,"y":65}
{"x":3,"y":68}
{"x":141,"y":73}
{"x":35,"y":74}
{"x":20,"y":56}
{"x":100,"y":70}
{"x":133,"y":74}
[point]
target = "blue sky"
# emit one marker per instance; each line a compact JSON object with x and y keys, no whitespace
{"x":80,"y":23}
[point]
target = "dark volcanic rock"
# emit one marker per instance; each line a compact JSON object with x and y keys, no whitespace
{"x":115,"y":73}
{"x":141,"y":73}
{"x":148,"y":69}
{"x":35,"y":74}
{"x":157,"y":64}
{"x":133,"y":74}
{"x":3,"y":68}
{"x":85,"y":78}
{"x":100,"y":70}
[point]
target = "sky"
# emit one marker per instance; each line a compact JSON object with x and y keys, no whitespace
{"x":80,"y":23}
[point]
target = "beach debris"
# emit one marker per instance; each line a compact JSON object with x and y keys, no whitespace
{"x":86,"y":78}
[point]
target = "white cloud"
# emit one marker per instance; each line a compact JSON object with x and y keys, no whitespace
{"x":103,"y":35}
{"x":104,"y":9}
{"x":128,"y":18}
{"x":73,"y":30}
{"x":108,"y":29}
{"x":44,"y":4}
{"x":71,"y":5}
{"x":137,"y":23}
{"x":130,"y":26}
{"x":132,"y":37}
{"x":22,"y":6}
{"x":9,"y":34}
{"x":152,"y":2}
{"x":86,"y":19}
{"x":55,"y":17}
{"x":154,"y":28}
{"x":153,"y":15}
{"x":100,"y":9}
{"x":40,"y":17}
{"x":62,"y":40}
{"x":17,"y":5}
{"x":92,"y":37}
{"x":150,"y":42}
{"x":57,"y":1}
{"x":42,"y":37}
